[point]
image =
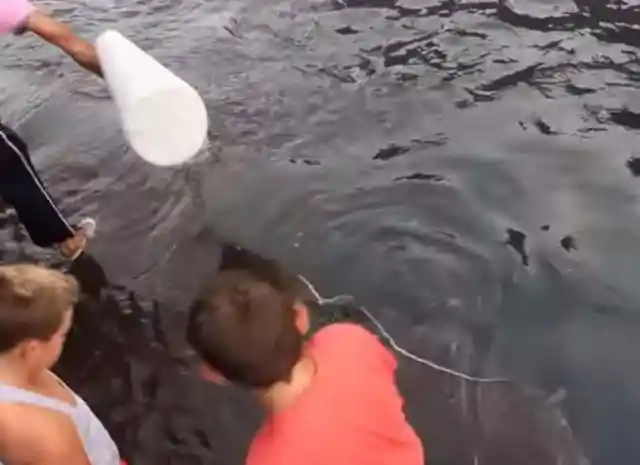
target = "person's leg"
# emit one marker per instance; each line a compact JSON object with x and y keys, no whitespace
{"x":22,"y":188}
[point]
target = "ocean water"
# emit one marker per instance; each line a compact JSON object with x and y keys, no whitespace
{"x":464,"y":169}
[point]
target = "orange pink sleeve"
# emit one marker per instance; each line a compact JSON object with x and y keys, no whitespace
{"x":14,"y":15}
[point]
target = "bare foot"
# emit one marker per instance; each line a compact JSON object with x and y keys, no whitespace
{"x":74,"y":246}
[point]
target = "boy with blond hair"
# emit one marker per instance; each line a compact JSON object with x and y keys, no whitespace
{"x":42,"y":421}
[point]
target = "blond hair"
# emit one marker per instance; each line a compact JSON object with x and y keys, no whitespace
{"x":33,"y":302}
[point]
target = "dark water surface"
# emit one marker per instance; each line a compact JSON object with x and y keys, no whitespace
{"x":465,"y":169}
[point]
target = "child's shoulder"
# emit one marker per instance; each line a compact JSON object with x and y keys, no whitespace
{"x":346,"y":339}
{"x":24,"y":429}
{"x":345,"y":331}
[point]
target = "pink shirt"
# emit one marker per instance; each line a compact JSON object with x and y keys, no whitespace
{"x":351,"y":414}
{"x":14,"y":14}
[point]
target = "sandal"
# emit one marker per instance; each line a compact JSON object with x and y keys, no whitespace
{"x":87,"y":230}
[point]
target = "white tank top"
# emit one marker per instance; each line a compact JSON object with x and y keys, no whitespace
{"x":97,"y":443}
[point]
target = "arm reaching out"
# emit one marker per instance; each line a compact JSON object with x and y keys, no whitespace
{"x":63,"y":37}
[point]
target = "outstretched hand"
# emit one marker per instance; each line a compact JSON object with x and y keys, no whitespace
{"x":61,"y":35}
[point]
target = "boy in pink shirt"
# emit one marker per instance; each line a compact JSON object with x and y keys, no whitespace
{"x":330,"y":401}
{"x":20,"y":185}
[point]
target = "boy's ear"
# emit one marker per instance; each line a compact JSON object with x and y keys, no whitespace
{"x":302,"y":320}
{"x":208,"y":373}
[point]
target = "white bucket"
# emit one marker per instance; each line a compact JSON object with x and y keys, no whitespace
{"x":164,"y":119}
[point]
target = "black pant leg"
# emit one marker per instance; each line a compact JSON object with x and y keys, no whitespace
{"x":22,"y":188}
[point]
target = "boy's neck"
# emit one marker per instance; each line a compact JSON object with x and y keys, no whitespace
{"x":13,"y":371}
{"x":281,"y":395}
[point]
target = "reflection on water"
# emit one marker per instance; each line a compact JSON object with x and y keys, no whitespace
{"x":465,"y":169}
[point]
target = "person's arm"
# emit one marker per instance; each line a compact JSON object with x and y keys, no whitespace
{"x":61,"y":35}
{"x":41,"y":438}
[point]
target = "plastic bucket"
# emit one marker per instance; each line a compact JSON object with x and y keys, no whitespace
{"x":164,"y":119}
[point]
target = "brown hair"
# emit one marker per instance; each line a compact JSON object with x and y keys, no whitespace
{"x":242,"y":324}
{"x":33,"y":301}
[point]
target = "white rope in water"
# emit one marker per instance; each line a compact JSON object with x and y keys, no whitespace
{"x":399,"y":349}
